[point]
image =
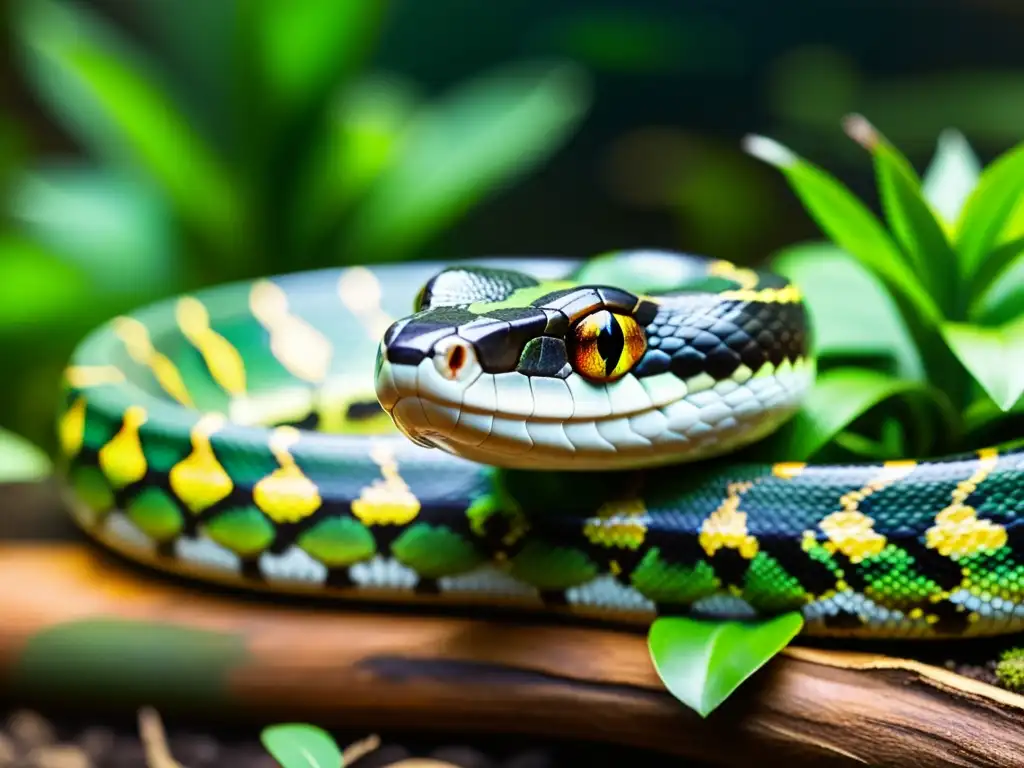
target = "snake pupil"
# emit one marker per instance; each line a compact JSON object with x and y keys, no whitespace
{"x":610,"y":341}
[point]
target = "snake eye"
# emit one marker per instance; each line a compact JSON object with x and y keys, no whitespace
{"x":605,"y":345}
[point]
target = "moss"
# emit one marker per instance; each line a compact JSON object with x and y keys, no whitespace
{"x":1010,"y":669}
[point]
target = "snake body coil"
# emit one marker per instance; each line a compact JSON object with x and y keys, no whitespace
{"x":554,"y":435}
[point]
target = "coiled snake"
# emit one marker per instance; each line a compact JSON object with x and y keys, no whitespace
{"x":563,"y":438}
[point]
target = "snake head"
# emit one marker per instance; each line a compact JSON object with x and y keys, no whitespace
{"x":502,"y":369}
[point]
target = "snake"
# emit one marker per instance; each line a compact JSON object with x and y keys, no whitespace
{"x":570,"y":436}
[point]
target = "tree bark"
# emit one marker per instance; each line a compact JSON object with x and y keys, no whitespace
{"x":80,"y":626}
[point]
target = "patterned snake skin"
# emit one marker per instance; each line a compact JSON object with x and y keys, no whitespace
{"x":554,"y":435}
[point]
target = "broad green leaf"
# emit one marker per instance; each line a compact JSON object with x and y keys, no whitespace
{"x":297,"y":745}
{"x":995,"y":265}
{"x":987,"y":211}
{"x":851,"y":314}
{"x":485,"y":134}
{"x":841,"y":396}
{"x":111,"y":99}
{"x":849,"y":223}
{"x":22,"y":461}
{"x":40,"y":291}
{"x":111,"y":225}
{"x":304,"y":47}
{"x":702,"y":662}
{"x":993,"y":356}
{"x":951,"y":176}
{"x":909,"y":215}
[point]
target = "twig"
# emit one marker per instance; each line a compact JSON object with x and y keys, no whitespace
{"x":154,"y":740}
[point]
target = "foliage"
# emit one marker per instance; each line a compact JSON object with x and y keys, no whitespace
{"x":703,"y":662}
{"x":917,"y":315}
{"x":1010,"y":669}
{"x":238,"y":140}
{"x":297,"y":745}
{"x":20,"y":460}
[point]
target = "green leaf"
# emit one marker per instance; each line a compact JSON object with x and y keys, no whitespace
{"x":841,"y":396}
{"x":304,"y":47}
{"x":987,"y":211}
{"x":1004,"y":300}
{"x":297,"y":745}
{"x":112,"y":101}
{"x":850,"y":311}
{"x":22,"y":461}
{"x":951,"y":176}
{"x":113,"y":226}
{"x":849,"y":223}
{"x":40,"y":291}
{"x":909,"y":215}
{"x":992,"y":355}
{"x":995,"y":265}
{"x":484,"y":134}
{"x":702,"y":662}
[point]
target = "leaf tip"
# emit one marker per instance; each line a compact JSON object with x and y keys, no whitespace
{"x":768,"y":151}
{"x":858,"y":128}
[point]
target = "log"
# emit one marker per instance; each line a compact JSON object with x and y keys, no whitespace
{"x":81,"y":626}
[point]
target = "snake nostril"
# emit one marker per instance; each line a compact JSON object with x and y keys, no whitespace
{"x":453,"y":357}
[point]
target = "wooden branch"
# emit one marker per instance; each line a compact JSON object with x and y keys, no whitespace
{"x":82,"y":627}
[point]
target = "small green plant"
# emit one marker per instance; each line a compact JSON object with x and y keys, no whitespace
{"x":234,"y":140}
{"x":1010,"y":669}
{"x":920,"y":337}
{"x":919,"y":321}
{"x":297,"y":745}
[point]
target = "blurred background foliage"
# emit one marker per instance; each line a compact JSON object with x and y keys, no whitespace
{"x":153,"y":146}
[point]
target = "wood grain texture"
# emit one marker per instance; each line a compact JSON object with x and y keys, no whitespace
{"x":272,"y":660}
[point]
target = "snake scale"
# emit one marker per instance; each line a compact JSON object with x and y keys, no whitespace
{"x":548,"y":434}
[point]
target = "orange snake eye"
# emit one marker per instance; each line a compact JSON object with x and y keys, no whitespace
{"x":605,"y":345}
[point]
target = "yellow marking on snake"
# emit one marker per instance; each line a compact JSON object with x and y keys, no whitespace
{"x":199,"y":480}
{"x":122,"y":459}
{"x":787,"y":470}
{"x":621,"y":524}
{"x":360,"y":292}
{"x":726,"y":527}
{"x":222,"y":359}
{"x":852,"y":532}
{"x":387,"y":501}
{"x":957,"y":531}
{"x":286,"y":495}
{"x":746,"y":278}
{"x":789,"y":294}
{"x":83,"y":376}
{"x":71,"y":429}
{"x":298,"y":346}
{"x":135,"y":337}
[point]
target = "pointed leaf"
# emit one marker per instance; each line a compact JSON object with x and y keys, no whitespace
{"x":987,"y":212}
{"x":107,"y":95}
{"x":909,"y":215}
{"x":22,"y":461}
{"x":993,"y":356}
{"x":849,"y":224}
{"x":484,"y":134}
{"x":843,"y":395}
{"x":296,"y":745}
{"x":112,"y":226}
{"x":951,"y":176}
{"x":702,"y":662}
{"x":850,"y":311}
